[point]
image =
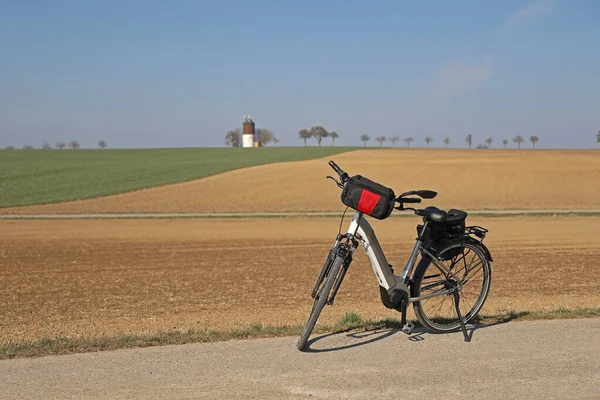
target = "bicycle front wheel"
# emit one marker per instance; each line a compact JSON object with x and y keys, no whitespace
{"x":320,"y":300}
{"x":471,"y":274}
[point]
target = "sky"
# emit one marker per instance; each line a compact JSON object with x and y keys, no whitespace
{"x":181,"y":73}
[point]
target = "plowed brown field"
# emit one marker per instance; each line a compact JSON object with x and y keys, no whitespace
{"x":90,"y":277}
{"x":467,"y":179}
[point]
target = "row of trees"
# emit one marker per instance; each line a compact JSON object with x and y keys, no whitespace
{"x":317,"y":132}
{"x":517,"y":139}
{"x":233,"y":138}
{"x":468,"y":139}
{"x":73,"y":144}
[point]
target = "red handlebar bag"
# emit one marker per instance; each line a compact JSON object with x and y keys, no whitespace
{"x":369,"y":197}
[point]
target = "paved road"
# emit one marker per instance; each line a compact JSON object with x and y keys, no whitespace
{"x":524,"y":360}
{"x":263,"y":215}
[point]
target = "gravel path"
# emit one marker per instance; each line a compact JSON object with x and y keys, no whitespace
{"x":524,"y":360}
{"x":266,"y":215}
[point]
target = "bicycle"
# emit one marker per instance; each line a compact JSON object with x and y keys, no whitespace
{"x":454,"y":261}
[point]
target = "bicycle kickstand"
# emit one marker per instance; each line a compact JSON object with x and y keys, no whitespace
{"x":407,"y":327}
{"x":460,"y":317}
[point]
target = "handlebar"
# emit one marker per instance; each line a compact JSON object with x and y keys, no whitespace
{"x":343,"y":175}
{"x":408,"y":200}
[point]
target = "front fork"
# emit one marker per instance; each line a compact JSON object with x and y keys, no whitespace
{"x":344,"y":250}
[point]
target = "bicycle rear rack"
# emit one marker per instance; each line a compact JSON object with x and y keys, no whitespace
{"x":476,"y":231}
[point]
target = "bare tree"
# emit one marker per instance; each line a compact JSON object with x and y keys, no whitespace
{"x":304,"y":134}
{"x":469,"y":140}
{"x":61,"y":145}
{"x":265,"y":136}
{"x":381,"y":139}
{"x":428,"y":139}
{"x":489,"y":142}
{"x":233,"y":138}
{"x":28,"y":147}
{"x":504,"y":142}
{"x":9,"y":148}
{"x":318,"y":132}
{"x":333,"y":136}
{"x":102,"y":144}
{"x":518,"y":140}
{"x":46,"y":145}
{"x":534,"y":139}
{"x":446,"y":141}
{"x":598,"y":137}
{"x":365,"y":138}
{"x":275,"y":140}
{"x":394,"y":139}
{"x":408,"y":140}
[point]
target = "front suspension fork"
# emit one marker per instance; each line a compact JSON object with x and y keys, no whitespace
{"x":343,"y":250}
{"x":340,"y":278}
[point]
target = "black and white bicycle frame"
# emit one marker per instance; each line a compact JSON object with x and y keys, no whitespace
{"x":360,"y":230}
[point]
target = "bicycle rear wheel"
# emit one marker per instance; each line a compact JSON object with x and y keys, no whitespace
{"x":472,"y":275}
{"x":320,"y":300}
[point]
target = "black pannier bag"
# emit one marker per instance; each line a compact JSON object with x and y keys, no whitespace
{"x":369,"y":197}
{"x":454,"y":226}
{"x":438,"y":232}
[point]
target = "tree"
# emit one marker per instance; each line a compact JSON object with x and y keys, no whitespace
{"x":61,"y":145}
{"x":265,"y":136}
{"x":518,"y":140}
{"x":318,"y":132}
{"x":333,"y":136}
{"x":102,"y":144}
{"x":304,"y":134}
{"x":446,"y":141}
{"x":428,"y":139}
{"x":74,"y":144}
{"x":598,"y":137}
{"x":504,"y":142}
{"x":275,"y":140}
{"x":46,"y":145}
{"x":9,"y":148}
{"x":381,"y":139}
{"x":482,"y":146}
{"x":394,"y":139}
{"x":534,"y":139}
{"x":408,"y":140}
{"x":469,"y":140}
{"x":489,"y":142}
{"x":365,"y":138}
{"x":232,"y":138}
{"x":28,"y":147}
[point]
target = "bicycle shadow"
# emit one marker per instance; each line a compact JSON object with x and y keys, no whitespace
{"x":351,"y":339}
{"x":337,"y":341}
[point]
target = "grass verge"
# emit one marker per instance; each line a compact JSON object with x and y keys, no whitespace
{"x":349,"y":322}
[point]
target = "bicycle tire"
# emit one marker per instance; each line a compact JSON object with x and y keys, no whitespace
{"x":319,"y":302}
{"x":450,"y":324}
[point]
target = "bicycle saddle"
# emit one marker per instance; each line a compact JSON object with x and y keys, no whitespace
{"x":433,"y":213}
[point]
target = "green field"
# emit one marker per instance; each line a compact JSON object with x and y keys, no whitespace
{"x":29,"y":177}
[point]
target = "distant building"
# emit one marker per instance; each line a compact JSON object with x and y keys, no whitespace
{"x":248,"y":132}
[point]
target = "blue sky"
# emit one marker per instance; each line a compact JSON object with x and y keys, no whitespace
{"x":182,"y":73}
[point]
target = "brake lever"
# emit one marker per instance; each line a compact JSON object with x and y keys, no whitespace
{"x":336,"y":181}
{"x":402,"y":208}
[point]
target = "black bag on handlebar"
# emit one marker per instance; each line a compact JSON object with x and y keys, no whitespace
{"x":369,"y":197}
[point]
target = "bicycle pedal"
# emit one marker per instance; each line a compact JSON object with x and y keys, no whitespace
{"x":408,"y":328}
